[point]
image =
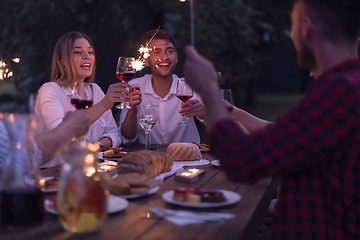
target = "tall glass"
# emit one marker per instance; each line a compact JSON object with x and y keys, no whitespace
{"x":227,"y":95}
{"x":125,"y":71}
{"x":21,"y":194}
{"x":184,"y":93}
{"x":81,"y":199}
{"x":147,"y":119}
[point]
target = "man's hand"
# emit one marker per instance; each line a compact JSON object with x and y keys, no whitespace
{"x":135,"y":95}
{"x":192,"y":108}
{"x":77,"y":122}
{"x":199,"y":73}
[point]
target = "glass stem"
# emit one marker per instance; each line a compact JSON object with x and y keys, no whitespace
{"x":147,"y":140}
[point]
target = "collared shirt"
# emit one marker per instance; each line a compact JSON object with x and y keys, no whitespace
{"x":315,"y":148}
{"x":53,"y":101}
{"x":166,"y":130}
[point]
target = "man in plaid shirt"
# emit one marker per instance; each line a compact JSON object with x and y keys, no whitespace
{"x":315,"y":148}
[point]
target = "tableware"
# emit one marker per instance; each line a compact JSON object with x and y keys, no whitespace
{"x":114,"y":204}
{"x":125,"y":71}
{"x":147,"y":118}
{"x":216,"y":163}
{"x":82,"y":96}
{"x":220,"y":80}
{"x":193,"y":163}
{"x":227,"y":96}
{"x":232,"y":197}
{"x":21,"y":195}
{"x":184,"y":93}
{"x":50,"y":189}
{"x":148,"y":192}
{"x":81,"y":199}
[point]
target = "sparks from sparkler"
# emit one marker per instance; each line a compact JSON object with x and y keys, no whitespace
{"x":144,"y":52}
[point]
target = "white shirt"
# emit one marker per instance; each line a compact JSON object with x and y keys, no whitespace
{"x":53,"y":101}
{"x":166,"y":130}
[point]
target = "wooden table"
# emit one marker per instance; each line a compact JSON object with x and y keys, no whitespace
{"x":128,"y":224}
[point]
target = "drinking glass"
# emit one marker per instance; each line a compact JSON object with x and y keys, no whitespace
{"x":81,"y":200}
{"x":184,"y":93}
{"x":125,"y":71}
{"x":147,"y":120}
{"x":227,"y":95}
{"x":82,"y":96}
{"x":220,"y":80}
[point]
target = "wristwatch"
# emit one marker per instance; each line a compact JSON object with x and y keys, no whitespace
{"x":101,"y":145}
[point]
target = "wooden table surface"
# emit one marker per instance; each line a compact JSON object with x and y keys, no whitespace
{"x":128,"y":224}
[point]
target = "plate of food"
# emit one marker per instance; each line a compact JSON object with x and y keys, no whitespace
{"x":201,"y":198}
{"x":193,"y":163}
{"x":202,"y":146}
{"x":113,"y":154}
{"x":50,"y":184}
{"x":216,"y":163}
{"x":114,"y":204}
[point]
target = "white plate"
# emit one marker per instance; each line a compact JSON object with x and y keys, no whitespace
{"x":216,"y":163}
{"x":114,"y":204}
{"x":100,"y":155}
{"x":150,"y":191}
{"x":232,"y":197}
{"x":49,"y":190}
{"x":193,"y":163}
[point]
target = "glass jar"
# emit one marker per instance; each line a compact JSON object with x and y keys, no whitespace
{"x":21,"y":195}
{"x":81,"y":199}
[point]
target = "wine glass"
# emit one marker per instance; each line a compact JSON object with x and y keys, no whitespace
{"x":125,"y":71}
{"x":82,"y":96}
{"x":220,"y":80}
{"x":227,"y":95}
{"x":184,"y":93}
{"x":147,"y":120}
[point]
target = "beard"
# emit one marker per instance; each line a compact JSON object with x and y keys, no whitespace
{"x":305,"y":56}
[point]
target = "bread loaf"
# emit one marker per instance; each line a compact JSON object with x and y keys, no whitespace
{"x":183,"y":152}
{"x":149,"y":163}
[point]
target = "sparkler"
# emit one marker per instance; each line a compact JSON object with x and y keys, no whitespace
{"x":144,"y":52}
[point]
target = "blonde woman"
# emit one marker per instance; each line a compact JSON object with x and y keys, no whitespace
{"x":73,"y":62}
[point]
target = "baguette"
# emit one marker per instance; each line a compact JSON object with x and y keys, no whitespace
{"x":144,"y":162}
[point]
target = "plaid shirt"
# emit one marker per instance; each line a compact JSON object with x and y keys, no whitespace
{"x":315,"y":148}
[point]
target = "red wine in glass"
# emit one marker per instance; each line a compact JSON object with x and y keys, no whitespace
{"x":126,"y":76}
{"x":81,"y":104}
{"x":21,"y":206}
{"x":184,"y":98}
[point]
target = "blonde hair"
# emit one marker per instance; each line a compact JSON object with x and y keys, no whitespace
{"x":62,"y":67}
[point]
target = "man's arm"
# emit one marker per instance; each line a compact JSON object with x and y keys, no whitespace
{"x":250,"y":122}
{"x":129,"y":126}
{"x":74,"y":125}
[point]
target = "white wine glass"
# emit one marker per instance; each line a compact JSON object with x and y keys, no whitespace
{"x":184,"y":93}
{"x":82,"y":96}
{"x":125,"y":71}
{"x":147,"y":119}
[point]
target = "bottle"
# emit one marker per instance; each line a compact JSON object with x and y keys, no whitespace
{"x":21,"y":194}
{"x":81,"y":199}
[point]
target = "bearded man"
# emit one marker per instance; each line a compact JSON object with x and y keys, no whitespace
{"x":315,"y":147}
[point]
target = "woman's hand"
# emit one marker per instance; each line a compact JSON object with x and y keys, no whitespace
{"x":116,"y":92}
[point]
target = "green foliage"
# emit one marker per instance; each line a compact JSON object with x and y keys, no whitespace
{"x":228,"y":32}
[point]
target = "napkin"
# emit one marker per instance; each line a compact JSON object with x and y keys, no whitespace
{"x":175,"y":168}
{"x":182,"y":218}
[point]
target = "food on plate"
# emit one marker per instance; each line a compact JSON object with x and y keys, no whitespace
{"x":129,"y":183}
{"x":145,"y":162}
{"x":184,"y":151}
{"x":198,"y":195}
{"x":202,"y":146}
{"x":51,"y":183}
{"x":110,"y":152}
{"x":107,"y":166}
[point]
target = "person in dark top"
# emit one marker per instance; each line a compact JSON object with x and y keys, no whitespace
{"x":315,"y":147}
